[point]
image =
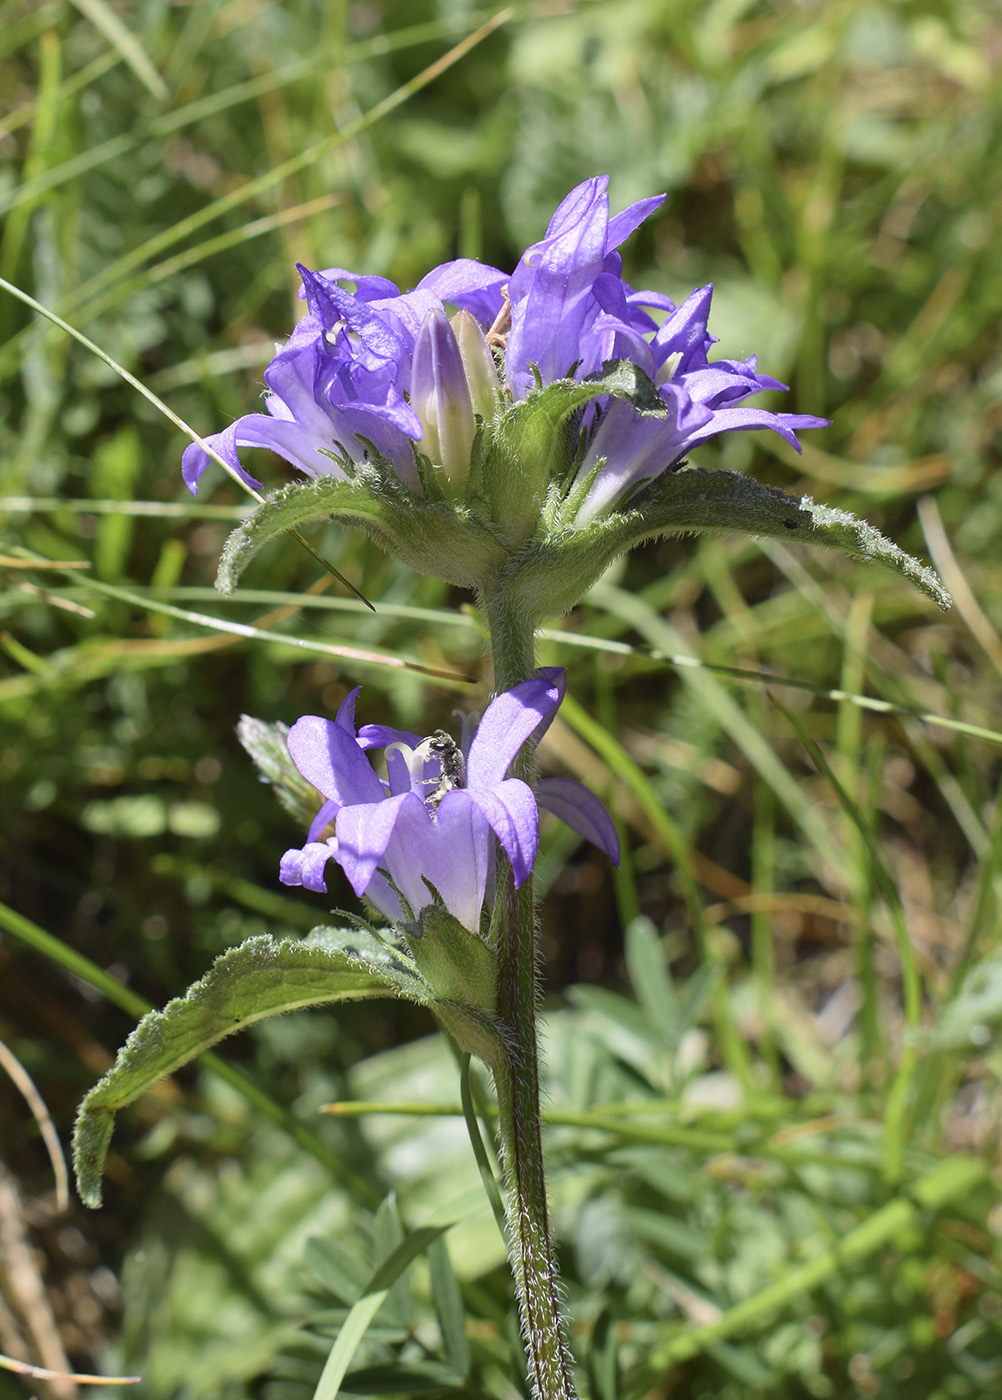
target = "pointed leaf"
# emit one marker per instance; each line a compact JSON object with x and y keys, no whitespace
{"x":438,"y":538}
{"x":448,"y":1303}
{"x":698,"y":500}
{"x":357,"y":1323}
{"x":262,"y":977}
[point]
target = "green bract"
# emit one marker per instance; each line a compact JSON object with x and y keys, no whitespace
{"x":518,"y":525}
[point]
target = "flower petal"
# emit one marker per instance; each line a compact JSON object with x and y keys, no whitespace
{"x":507,"y":723}
{"x":451,"y":853}
{"x":624,"y":223}
{"x":328,"y":757}
{"x":468,"y":285}
{"x":364,"y":831}
{"x":511,"y":810}
{"x":306,"y":867}
{"x":580,"y":809}
{"x":324,"y":817}
{"x":377,"y":736}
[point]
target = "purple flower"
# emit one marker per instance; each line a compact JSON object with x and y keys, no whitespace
{"x":378,"y":376}
{"x":429,"y":823}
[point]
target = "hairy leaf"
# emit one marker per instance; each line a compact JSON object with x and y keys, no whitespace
{"x":432,"y":537}
{"x":262,"y":977}
{"x":699,"y":500}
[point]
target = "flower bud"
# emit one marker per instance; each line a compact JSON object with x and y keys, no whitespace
{"x":440,"y":396}
{"x":478,"y":362}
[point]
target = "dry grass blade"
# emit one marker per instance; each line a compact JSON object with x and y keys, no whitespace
{"x":20,"y":1076}
{"x":40,"y":1373}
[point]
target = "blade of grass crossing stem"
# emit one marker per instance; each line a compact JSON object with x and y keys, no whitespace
{"x":239,"y":629}
{"x":45,"y":943}
{"x":361,"y":1316}
{"x":896,"y":1108}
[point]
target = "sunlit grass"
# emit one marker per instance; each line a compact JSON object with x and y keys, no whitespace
{"x":772,"y":1108}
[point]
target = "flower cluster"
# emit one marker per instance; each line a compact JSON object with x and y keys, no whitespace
{"x":428,"y":825}
{"x":383,"y":377}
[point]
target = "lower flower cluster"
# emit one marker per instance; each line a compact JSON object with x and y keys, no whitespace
{"x":430,"y":826}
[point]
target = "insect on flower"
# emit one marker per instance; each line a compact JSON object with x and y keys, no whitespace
{"x":395,"y":839}
{"x":452,"y":765}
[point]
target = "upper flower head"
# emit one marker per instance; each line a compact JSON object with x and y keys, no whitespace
{"x":379,"y":376}
{"x":429,"y":823}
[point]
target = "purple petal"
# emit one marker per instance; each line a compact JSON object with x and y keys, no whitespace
{"x":551,"y":289}
{"x":324,"y":817}
{"x":580,"y":809}
{"x":685,"y":331}
{"x":368,"y":287}
{"x":345,"y":716}
{"x":731,"y":420}
{"x":511,"y":810}
{"x":328,"y":757}
{"x":331,"y":304}
{"x":450,"y":852}
{"x":364,"y":832}
{"x":621,"y":225}
{"x":306,"y":867}
{"x":377,"y":736}
{"x":637,"y":447}
{"x":507,"y":723}
{"x":468,"y":285}
{"x":195,"y":460}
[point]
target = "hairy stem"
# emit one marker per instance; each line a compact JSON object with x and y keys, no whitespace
{"x":517,"y":1077}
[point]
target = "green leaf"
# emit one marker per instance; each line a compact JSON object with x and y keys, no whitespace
{"x":448,"y":1302}
{"x":357,"y":1322}
{"x":837,"y":529}
{"x":555,"y":573}
{"x":438,"y":538}
{"x":262,"y":977}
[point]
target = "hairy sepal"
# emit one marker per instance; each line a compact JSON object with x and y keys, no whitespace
{"x":527,"y":445}
{"x":438,"y":538}
{"x":260,"y":978}
{"x":552,"y":574}
{"x":457,"y":964}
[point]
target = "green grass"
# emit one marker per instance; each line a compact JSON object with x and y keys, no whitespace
{"x":771,"y":1038}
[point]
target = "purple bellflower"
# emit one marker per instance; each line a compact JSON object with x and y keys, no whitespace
{"x":376,"y":376}
{"x":432,"y":821}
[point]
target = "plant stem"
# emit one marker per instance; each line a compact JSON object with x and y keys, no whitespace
{"x":516,"y":1079}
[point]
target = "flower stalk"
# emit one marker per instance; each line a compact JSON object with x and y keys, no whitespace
{"x":516,"y":1076}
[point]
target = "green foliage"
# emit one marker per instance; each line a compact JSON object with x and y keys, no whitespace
{"x":743,"y":1092}
{"x":257,"y":979}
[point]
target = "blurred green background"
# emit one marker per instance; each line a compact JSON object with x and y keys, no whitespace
{"x":785,"y":1006}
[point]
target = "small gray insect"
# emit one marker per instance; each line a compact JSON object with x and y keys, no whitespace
{"x":452,"y":765}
